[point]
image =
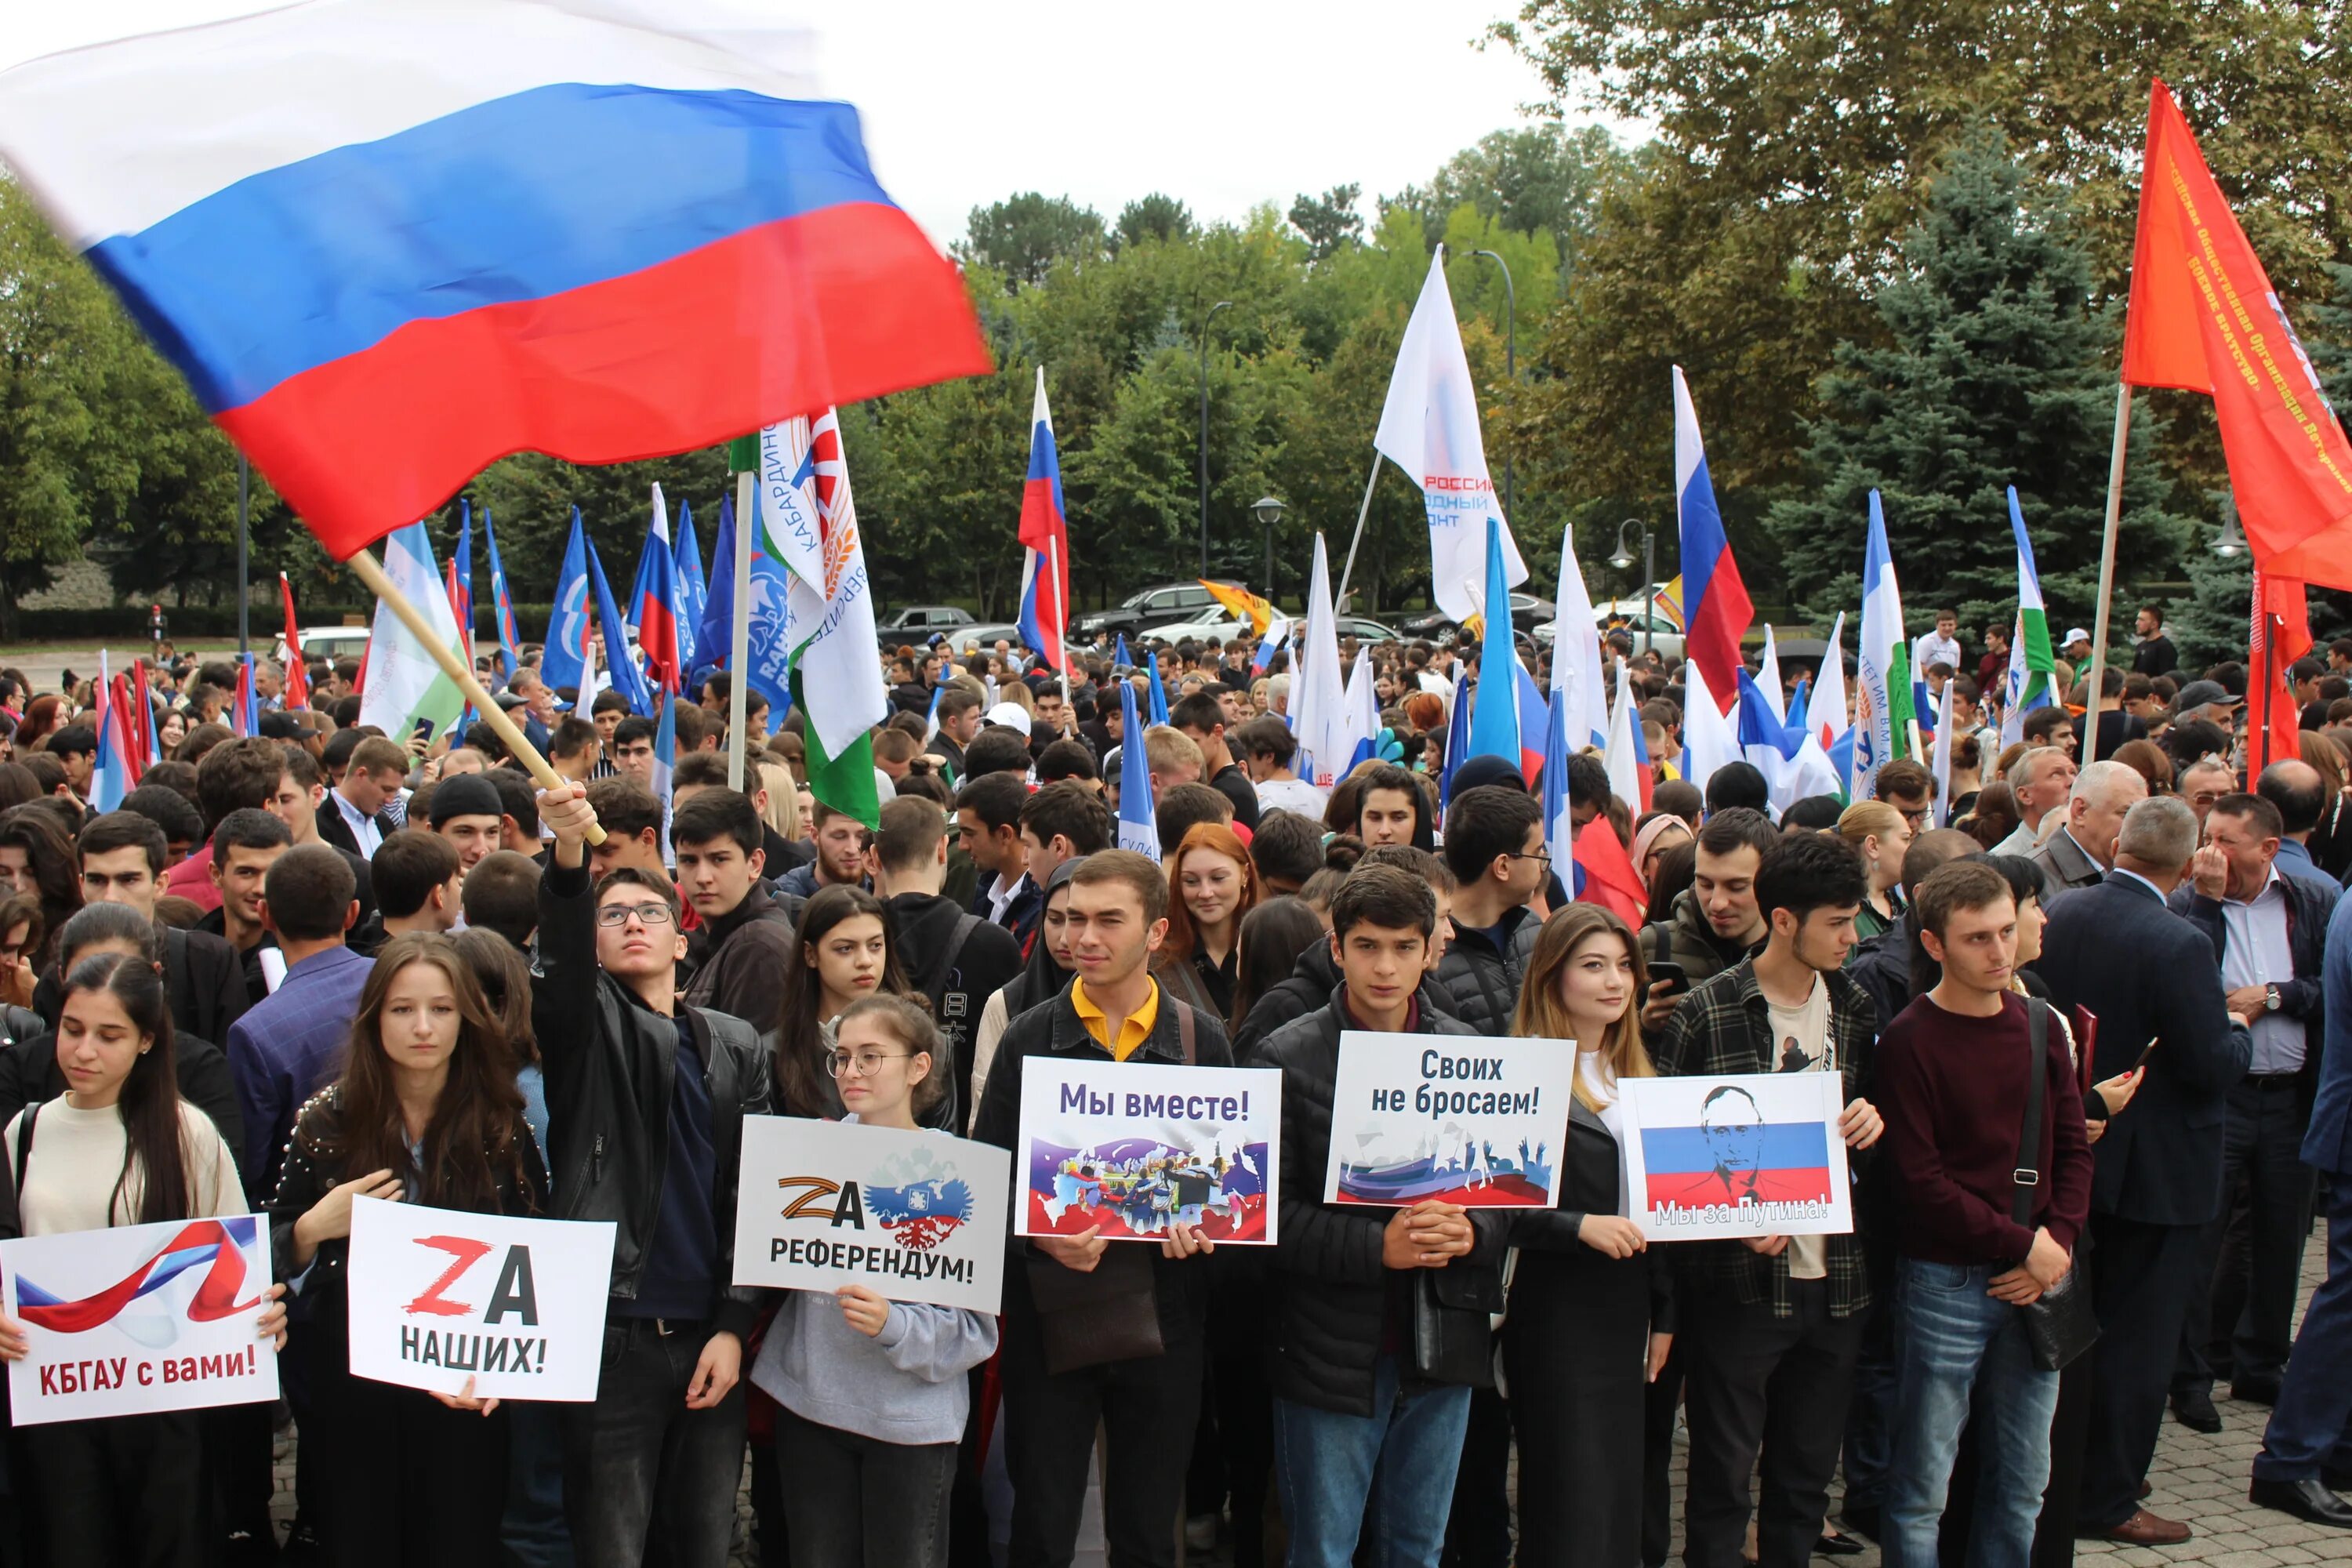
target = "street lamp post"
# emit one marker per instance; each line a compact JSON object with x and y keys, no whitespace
{"x":1510,"y":358}
{"x":1269,"y":512}
{"x":1624,"y":559}
{"x":2230,"y":543}
{"x":1220,"y":305}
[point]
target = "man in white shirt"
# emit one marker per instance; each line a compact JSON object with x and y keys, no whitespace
{"x":1941,"y":645}
{"x":1268,"y":748}
{"x":2042,"y":779}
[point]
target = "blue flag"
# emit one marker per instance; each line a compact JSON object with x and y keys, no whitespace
{"x":620,"y":665}
{"x":1139,"y":829}
{"x":1494,"y":726}
{"x":1158,"y":692}
{"x":509,"y":632}
{"x":1457,"y":745}
{"x":1119,"y":654}
{"x":686,"y":553}
{"x":565,"y":661}
{"x":714,"y":635}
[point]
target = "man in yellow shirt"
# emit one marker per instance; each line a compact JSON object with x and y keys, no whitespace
{"x":1097,"y":1332}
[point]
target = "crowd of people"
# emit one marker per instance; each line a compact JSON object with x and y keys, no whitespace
{"x":2091,"y":1034}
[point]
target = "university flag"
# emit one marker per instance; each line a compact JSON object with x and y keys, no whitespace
{"x":566,"y":660}
{"x":404,"y":682}
{"x":1882,"y":713}
{"x":509,"y":629}
{"x":692,"y":591}
{"x":1138,"y":828}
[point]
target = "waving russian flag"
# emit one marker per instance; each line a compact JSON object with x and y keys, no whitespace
{"x":1716,"y":609}
{"x":604,"y":229}
{"x":111,"y":775}
{"x":214,"y":1246}
{"x":652,"y":603}
{"x":1046,"y":538}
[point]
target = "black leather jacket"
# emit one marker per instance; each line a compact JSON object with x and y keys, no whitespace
{"x":610,"y":1064}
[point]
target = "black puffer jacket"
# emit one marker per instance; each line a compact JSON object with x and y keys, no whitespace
{"x":1479,"y":981}
{"x":610,"y":1066}
{"x":1310,"y":986}
{"x":1334,"y":1294}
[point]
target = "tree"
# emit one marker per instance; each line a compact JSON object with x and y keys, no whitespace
{"x":1155,"y":216}
{"x":1993,"y":371}
{"x":1023,"y":235}
{"x":1541,"y":178}
{"x":1329,"y":221}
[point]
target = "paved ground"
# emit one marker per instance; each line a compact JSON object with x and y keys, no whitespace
{"x":2197,"y":1478}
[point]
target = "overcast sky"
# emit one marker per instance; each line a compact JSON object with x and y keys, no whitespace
{"x":1220,"y":103}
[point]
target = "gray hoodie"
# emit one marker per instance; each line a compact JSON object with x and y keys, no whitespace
{"x":905,"y":1385}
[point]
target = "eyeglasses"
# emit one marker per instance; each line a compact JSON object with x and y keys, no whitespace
{"x":1542,"y":855}
{"x":648,"y":913}
{"x":1914,"y":817}
{"x":863,"y":1064}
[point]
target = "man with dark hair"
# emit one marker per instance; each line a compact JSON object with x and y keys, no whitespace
{"x":2144,"y":972}
{"x":1071,"y":761}
{"x":575,"y":749}
{"x":1715,"y":923}
{"x":234,"y":775}
{"x":841,"y":843}
{"x":1062,"y":821}
{"x":76,"y":750}
{"x":1184,"y":807}
{"x":1111,"y":1011}
{"x":246,"y":844}
{"x":988,"y":816}
{"x":370,"y":781}
{"x":633,"y":751}
{"x":1771,"y":1329}
{"x":2152,"y":654}
{"x":1680,"y":797}
{"x":301,"y":788}
{"x":995,"y":751}
{"x":1267,"y":751}
{"x":501,"y":895}
{"x":122,"y":857}
{"x":1200,"y":717}
{"x":2052,"y":726}
{"x":2299,"y":794}
{"x":2269,"y":932}
{"x":959,"y":717}
{"x":292,"y":1042}
{"x":743,"y":946}
{"x":1909,"y":788}
{"x":420,"y":886}
{"x":1286,"y":848}
{"x":1954,"y":1073}
{"x":645,"y":1096}
{"x":606,"y":713}
{"x":1738,"y":786}
{"x":518,"y":811}
{"x":695,"y":771}
{"x":632,"y":820}
{"x":2115,"y":726}
{"x":1881,"y":964}
{"x":468,"y":811}
{"x":955,"y":958}
{"x":1494,"y":848}
{"x":1348,"y":1404}
{"x":167,"y":808}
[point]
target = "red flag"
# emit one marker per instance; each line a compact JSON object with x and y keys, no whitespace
{"x":2204,"y":318}
{"x":297,"y":690}
{"x":1605,"y":873}
{"x":2281,"y":634}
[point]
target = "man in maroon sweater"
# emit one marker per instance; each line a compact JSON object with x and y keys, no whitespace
{"x":1952,"y":1084}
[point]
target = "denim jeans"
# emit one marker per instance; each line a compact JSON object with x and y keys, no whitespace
{"x":1326,"y":1466}
{"x":1962,"y":1360}
{"x":638,"y":1463}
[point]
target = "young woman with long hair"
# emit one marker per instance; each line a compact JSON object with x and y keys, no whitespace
{"x":846,"y":953}
{"x":425,"y":1112}
{"x":872,"y":1392}
{"x":1591,"y":1316}
{"x":1879,"y":833}
{"x":1273,"y":936}
{"x":1212,"y":884}
{"x":119,"y":1148}
{"x":36,"y":857}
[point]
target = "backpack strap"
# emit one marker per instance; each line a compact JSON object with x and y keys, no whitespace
{"x":1185,"y":1029}
{"x":2026,"y":1178}
{"x":966,"y":923}
{"x":25,"y":1144}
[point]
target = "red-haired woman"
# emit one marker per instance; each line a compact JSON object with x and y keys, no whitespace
{"x":1212,"y":884}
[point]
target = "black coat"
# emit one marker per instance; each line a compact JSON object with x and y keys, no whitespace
{"x":1591,"y":1180}
{"x":958,"y":960}
{"x":1335,"y":1295}
{"x":2142,"y":971}
{"x":610,"y":1066}
{"x":1310,"y":986}
{"x":1481,"y":982}
{"x":204,"y":984}
{"x":30,"y":1074}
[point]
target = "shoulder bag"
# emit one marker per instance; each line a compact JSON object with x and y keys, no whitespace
{"x":2059,"y":1324}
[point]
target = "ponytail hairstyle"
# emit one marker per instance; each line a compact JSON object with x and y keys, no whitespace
{"x":154,"y":1143}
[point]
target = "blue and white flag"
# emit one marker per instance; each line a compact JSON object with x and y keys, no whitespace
{"x":686,"y":560}
{"x":621,"y":671}
{"x":1138,"y":828}
{"x":565,"y":662}
{"x":1277,"y":638}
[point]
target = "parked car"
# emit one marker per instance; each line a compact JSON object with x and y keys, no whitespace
{"x":329,"y":643}
{"x":1528,"y":611}
{"x":1216,"y":622}
{"x":912,"y":624}
{"x":1662,"y":636}
{"x":1163,"y":604}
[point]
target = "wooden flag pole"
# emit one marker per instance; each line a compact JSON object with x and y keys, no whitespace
{"x":739,"y":661}
{"x":1363,"y":511}
{"x":372,"y":575}
{"x":2106,"y":576}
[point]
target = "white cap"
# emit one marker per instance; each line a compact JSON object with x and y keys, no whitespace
{"x":2077,"y":634}
{"x":1010,"y":715}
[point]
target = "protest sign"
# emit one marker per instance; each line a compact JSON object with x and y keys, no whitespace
{"x":1757,"y":1154}
{"x":1133,"y":1149}
{"x":139,"y":1318}
{"x":917,"y":1217}
{"x":439,"y":1296}
{"x":1477,"y":1123}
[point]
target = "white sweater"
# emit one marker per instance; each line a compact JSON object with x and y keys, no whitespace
{"x":77,"y":1158}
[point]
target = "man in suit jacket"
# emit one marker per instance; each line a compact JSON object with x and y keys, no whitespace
{"x":354,"y":819}
{"x":2307,"y":1449}
{"x":2081,"y":853}
{"x":2143,"y":971}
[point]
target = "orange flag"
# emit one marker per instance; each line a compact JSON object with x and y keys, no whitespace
{"x":2281,"y":634}
{"x":2205,"y":318}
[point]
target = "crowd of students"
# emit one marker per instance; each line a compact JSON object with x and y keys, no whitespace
{"x":311,"y":965}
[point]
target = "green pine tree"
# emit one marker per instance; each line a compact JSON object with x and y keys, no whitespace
{"x":1994,"y":371}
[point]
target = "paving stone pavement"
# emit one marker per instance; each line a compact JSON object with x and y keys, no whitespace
{"x":2198,"y":1478}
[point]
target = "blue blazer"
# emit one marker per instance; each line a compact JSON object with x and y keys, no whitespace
{"x":2143,"y":971}
{"x":2327,"y":1143}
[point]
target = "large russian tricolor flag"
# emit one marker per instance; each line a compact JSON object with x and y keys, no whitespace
{"x":1045,"y":539}
{"x":1716,"y":609}
{"x":389,"y":241}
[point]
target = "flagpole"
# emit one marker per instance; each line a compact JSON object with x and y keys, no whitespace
{"x":2107,"y":575}
{"x":1061,"y":614}
{"x":1362,"y":512}
{"x":738,"y":662}
{"x":372,"y":577}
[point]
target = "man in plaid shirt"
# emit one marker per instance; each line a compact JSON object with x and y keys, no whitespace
{"x":1771,"y":1326}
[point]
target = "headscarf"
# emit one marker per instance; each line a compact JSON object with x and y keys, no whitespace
{"x":1041,"y":978}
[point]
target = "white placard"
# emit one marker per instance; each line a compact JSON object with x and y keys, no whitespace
{"x":917,"y":1217}
{"x":1128,"y":1149}
{"x":139,"y":1318}
{"x":439,"y":1295}
{"x":1462,"y":1119}
{"x":1746,"y":1154}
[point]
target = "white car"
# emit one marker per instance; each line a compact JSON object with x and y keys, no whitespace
{"x":1219,"y":623}
{"x":329,"y":643}
{"x":1662,"y":633}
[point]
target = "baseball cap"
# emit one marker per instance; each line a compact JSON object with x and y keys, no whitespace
{"x":2077,"y":634}
{"x":2198,"y":693}
{"x":1011,"y":716}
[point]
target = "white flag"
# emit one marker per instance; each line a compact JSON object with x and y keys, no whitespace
{"x":403,"y":683}
{"x":1318,"y":697}
{"x":1429,"y":428}
{"x":1576,"y":670}
{"x":809,"y":523}
{"x":1710,"y":738}
{"x":1825,"y":715}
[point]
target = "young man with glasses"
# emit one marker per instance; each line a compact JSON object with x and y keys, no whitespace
{"x":1494,"y":848}
{"x":645,"y":1100}
{"x":1909,"y":789}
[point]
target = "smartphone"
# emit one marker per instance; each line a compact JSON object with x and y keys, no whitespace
{"x":1676,"y":978}
{"x":423,"y":730}
{"x":2145,"y":1052}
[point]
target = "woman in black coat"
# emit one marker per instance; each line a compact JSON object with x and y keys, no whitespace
{"x":1590,"y":1313}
